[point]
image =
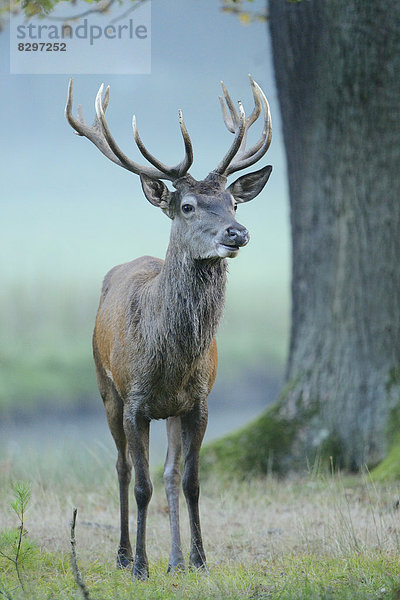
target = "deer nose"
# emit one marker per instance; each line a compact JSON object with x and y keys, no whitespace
{"x":237,"y":235}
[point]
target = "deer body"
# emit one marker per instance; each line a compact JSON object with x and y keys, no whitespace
{"x":154,"y":339}
{"x":154,"y":332}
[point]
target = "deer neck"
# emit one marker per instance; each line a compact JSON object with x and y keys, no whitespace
{"x":193,"y":296}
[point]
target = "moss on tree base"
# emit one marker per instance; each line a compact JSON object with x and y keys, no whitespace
{"x":270,"y":444}
{"x":254,"y":449}
{"x":389,"y":468}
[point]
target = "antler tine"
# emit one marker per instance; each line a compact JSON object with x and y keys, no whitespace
{"x":257,"y":104}
{"x":92,"y":133}
{"x":267,"y":122}
{"x":233,"y":120}
{"x":242,"y":158}
{"x":253,"y":117}
{"x":239,"y":133}
{"x":188,"y":160}
{"x":180,"y":169}
{"x":106,"y":99}
{"x":227,"y":118}
{"x":79,"y":124}
{"x":251,"y":156}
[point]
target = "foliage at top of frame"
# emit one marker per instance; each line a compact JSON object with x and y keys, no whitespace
{"x":245,"y":12}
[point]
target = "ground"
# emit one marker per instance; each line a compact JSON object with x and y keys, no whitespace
{"x":322,"y":536}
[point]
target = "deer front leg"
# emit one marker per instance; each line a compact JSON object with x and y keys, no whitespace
{"x":193,"y":428}
{"x":114,"y":411}
{"x":172,"y":480}
{"x":137,"y":433}
{"x":124,"y":468}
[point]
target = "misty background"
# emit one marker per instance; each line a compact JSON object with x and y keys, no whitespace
{"x":68,"y":215}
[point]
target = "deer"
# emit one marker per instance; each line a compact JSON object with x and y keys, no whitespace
{"x":154,"y":343}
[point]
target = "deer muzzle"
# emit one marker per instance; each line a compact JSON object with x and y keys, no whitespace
{"x":235,"y":237}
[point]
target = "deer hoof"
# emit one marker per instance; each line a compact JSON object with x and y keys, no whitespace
{"x":198,"y":564}
{"x":179,"y":567}
{"x":124,"y":559}
{"x":140,"y":572}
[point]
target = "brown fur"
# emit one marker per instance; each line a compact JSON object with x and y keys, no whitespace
{"x":151,"y":334}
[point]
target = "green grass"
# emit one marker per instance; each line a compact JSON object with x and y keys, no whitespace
{"x":300,"y":577}
{"x":318,"y":537}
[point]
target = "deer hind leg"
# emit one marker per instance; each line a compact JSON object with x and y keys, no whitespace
{"x":193,"y":428}
{"x":137,"y":430}
{"x":172,"y":480}
{"x":114,"y":411}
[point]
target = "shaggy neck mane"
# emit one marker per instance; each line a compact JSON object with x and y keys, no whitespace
{"x":193,"y":296}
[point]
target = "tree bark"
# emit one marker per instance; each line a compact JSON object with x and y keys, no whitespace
{"x":337,"y":67}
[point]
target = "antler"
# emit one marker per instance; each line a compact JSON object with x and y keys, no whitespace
{"x":238,"y":157}
{"x":99,"y":133}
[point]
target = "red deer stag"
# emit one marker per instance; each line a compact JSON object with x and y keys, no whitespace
{"x":153,"y":343}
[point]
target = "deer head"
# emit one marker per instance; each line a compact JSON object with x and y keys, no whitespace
{"x":203,"y":212}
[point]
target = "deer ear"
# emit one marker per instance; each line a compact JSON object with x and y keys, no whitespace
{"x":249,"y":186}
{"x":156,"y":192}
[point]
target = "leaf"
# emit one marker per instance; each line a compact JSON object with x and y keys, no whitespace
{"x":245,"y":18}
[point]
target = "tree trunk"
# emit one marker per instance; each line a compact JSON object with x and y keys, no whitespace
{"x":337,"y":67}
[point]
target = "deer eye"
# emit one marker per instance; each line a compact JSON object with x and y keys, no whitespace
{"x":187,"y":208}
{"x":235,"y":207}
